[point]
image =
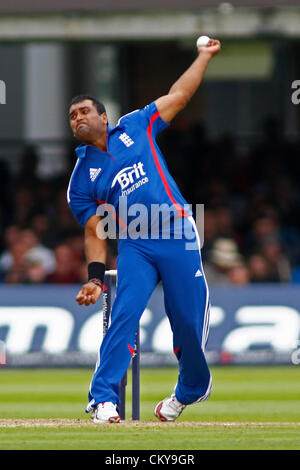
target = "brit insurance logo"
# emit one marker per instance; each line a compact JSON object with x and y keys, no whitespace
{"x":130,"y":178}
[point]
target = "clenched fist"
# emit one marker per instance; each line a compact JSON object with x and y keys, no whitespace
{"x":212,"y":48}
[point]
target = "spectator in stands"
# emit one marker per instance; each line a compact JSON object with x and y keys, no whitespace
{"x":264,"y":226}
{"x":279,"y":264}
{"x":22,"y":246}
{"x":67,"y":266}
{"x":44,"y":229}
{"x":223,"y":256}
{"x":239,"y":274}
{"x":259,"y":269}
{"x":37,"y":251}
{"x":15,"y":271}
{"x":11,"y":236}
{"x":75,"y":240}
{"x":35,"y":273}
{"x":225,"y":222}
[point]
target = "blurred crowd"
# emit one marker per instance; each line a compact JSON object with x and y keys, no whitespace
{"x":40,"y":241}
{"x":250,"y":193}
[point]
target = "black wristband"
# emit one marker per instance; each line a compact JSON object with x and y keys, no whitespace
{"x":96,"y":270}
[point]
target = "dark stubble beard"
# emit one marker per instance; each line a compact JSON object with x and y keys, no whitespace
{"x":84,"y":134}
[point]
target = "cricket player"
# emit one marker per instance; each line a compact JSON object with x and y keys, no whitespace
{"x":124,"y":163}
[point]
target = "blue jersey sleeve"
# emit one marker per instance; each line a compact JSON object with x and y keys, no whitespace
{"x":146,"y":116}
{"x":80,"y":201}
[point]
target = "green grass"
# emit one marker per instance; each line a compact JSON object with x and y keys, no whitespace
{"x":261,"y":403}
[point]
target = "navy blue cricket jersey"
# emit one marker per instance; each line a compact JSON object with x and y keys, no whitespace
{"x":133,"y":167}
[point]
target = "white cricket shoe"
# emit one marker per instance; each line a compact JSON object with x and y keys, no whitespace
{"x":105,"y":412}
{"x":169,"y":409}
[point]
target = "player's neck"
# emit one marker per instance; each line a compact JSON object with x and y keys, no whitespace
{"x":101,"y":143}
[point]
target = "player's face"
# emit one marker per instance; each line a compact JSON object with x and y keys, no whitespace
{"x":87,"y":125}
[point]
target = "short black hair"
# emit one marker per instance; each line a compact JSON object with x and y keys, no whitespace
{"x":98,"y":104}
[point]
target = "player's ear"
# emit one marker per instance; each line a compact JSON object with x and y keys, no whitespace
{"x":104,"y":118}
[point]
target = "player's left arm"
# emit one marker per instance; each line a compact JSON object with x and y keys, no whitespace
{"x":95,"y":251}
{"x":184,"y":88}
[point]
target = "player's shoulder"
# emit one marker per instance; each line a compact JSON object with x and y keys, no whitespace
{"x":84,"y":157}
{"x":138,"y":115}
{"x":128,"y":116}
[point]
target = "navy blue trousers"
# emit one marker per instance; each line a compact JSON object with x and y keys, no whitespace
{"x":141,"y":265}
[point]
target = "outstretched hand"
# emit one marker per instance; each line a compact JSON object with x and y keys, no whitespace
{"x":212,"y":48}
{"x":89,"y":293}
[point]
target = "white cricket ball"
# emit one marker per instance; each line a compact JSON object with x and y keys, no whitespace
{"x":202,"y":41}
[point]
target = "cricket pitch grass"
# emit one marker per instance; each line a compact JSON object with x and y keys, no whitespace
{"x":251,"y":408}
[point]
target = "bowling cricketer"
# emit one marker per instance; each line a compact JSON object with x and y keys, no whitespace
{"x":125,"y":163}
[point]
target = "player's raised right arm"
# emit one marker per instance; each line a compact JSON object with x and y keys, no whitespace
{"x":184,"y":88}
{"x":95,"y":252}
